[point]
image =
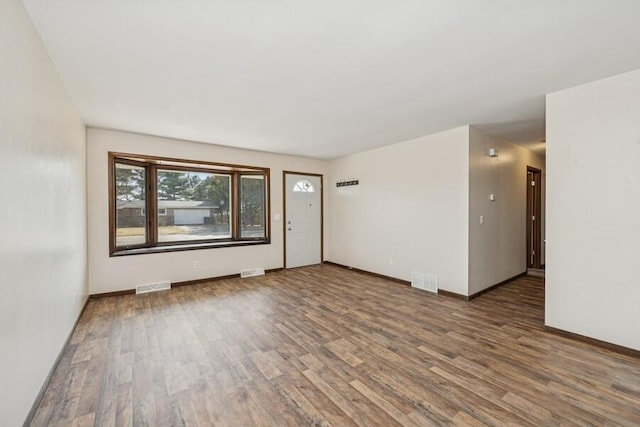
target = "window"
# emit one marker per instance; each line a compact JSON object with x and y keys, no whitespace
{"x":160,"y":204}
{"x":303,"y":186}
{"x":161,"y":211}
{"x":130,"y":198}
{"x":199,"y":203}
{"x":252,"y":204}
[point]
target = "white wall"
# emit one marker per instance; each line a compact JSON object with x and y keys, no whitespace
{"x":118,"y":273}
{"x":593,"y":210}
{"x":411,"y":206}
{"x":42,"y":219}
{"x":497,"y":248}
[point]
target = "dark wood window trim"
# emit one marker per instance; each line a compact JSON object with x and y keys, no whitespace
{"x":151,"y":165}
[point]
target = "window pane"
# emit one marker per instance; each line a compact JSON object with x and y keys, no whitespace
{"x":193,"y":206}
{"x":131,"y":223}
{"x":252,"y":206}
{"x":303,"y":186}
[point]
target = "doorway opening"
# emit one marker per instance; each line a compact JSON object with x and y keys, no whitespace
{"x":303,"y":219}
{"x":534,"y":219}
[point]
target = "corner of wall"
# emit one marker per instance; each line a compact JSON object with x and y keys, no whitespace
{"x":44,"y":148}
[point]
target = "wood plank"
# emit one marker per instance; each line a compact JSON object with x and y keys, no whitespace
{"x":322,"y":345}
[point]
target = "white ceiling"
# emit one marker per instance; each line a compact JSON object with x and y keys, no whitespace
{"x":329,"y":78}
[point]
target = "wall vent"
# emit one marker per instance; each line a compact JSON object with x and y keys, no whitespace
{"x":153,"y":287}
{"x":250,"y":272}
{"x":426,"y":282}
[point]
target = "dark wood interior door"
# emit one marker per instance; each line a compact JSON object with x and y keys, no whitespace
{"x":534,"y":235}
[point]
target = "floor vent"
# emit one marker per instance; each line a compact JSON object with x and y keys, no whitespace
{"x":153,"y":287}
{"x":426,"y":282}
{"x":250,"y":272}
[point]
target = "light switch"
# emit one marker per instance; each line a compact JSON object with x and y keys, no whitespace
{"x":276,"y":217}
{"x":481,"y":219}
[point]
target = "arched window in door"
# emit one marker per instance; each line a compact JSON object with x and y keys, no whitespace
{"x":303,"y":186}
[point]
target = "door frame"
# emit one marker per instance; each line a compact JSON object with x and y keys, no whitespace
{"x":537,"y":228}
{"x":284,"y":213}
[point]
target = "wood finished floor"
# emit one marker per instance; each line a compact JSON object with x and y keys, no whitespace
{"x":326,"y":346}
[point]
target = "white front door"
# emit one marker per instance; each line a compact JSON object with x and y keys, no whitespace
{"x":303,"y":220}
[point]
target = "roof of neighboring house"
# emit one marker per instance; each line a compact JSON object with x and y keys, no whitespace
{"x":170,"y":204}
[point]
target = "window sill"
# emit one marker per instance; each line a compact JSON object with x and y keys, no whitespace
{"x":187,"y":247}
